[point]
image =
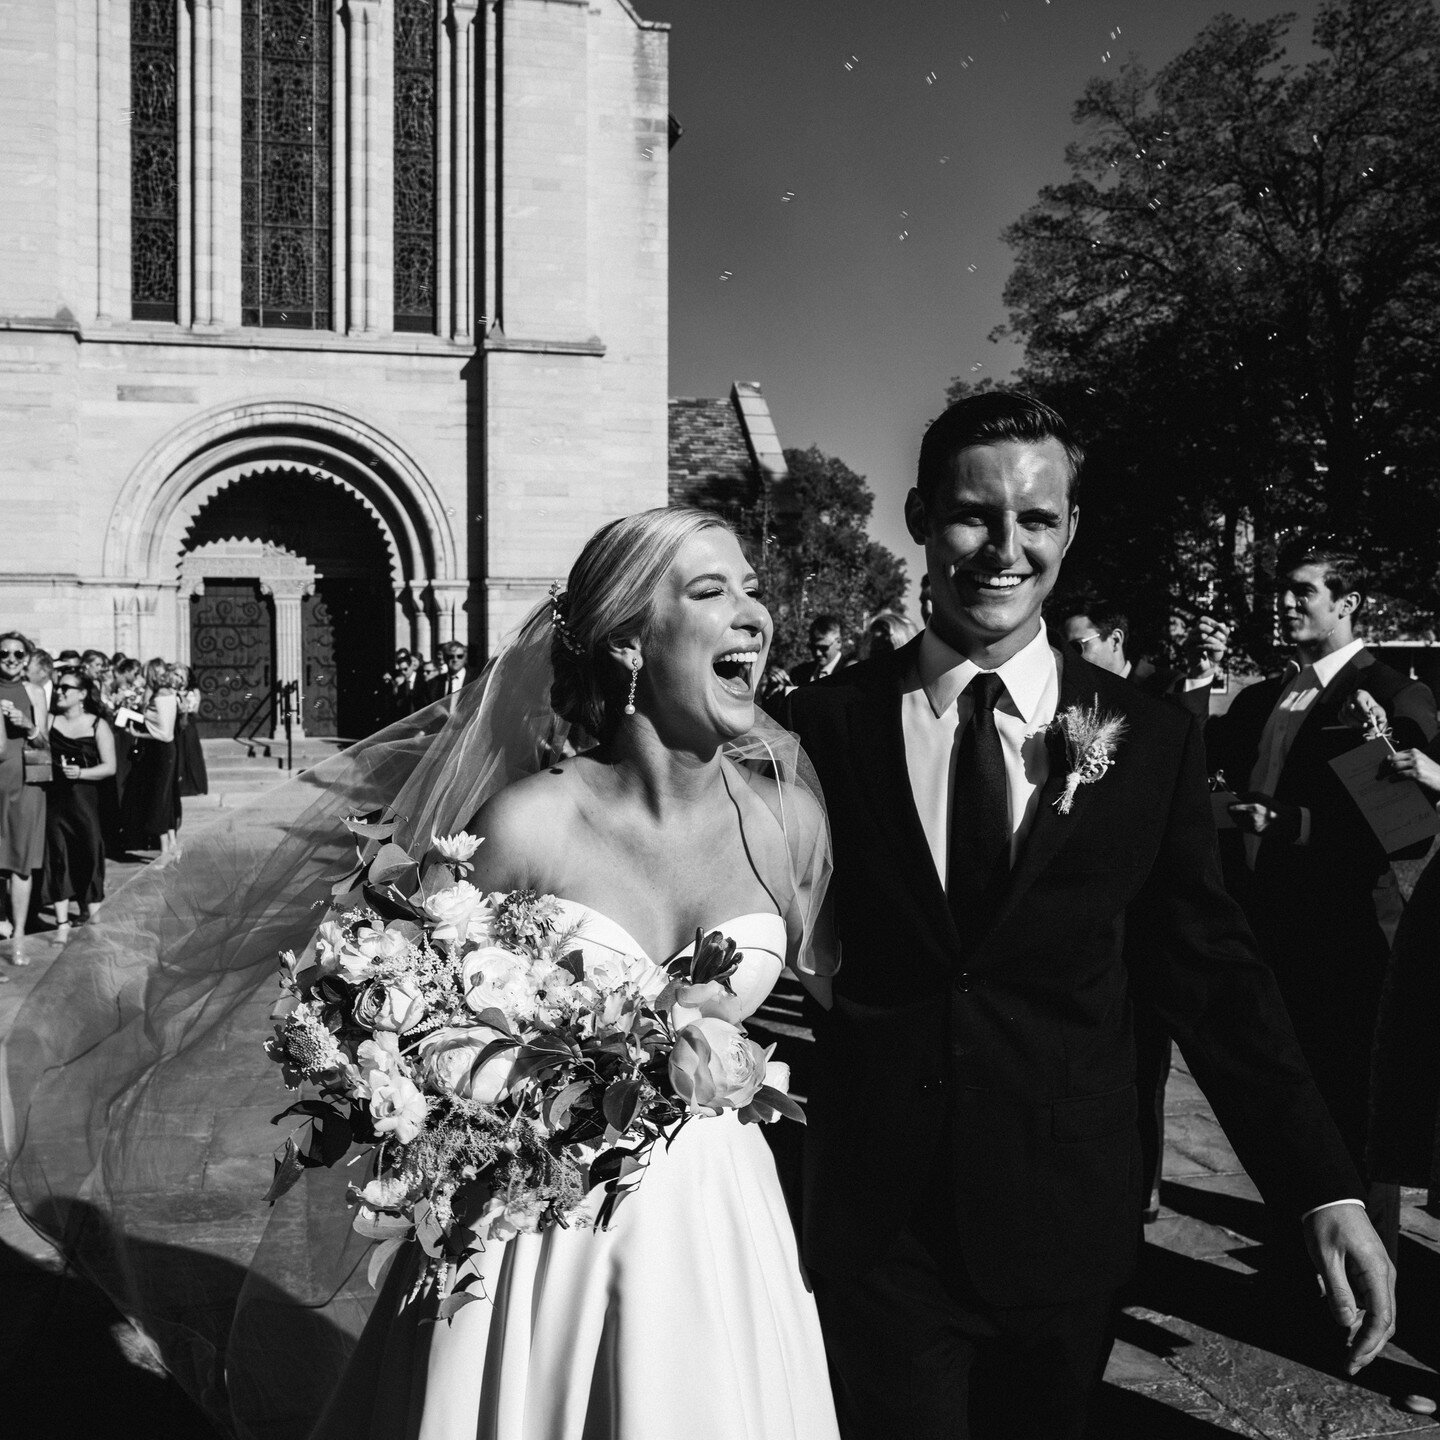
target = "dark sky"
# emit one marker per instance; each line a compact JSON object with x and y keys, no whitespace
{"x":852,"y":330}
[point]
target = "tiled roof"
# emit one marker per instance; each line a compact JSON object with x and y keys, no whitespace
{"x":723,"y":452}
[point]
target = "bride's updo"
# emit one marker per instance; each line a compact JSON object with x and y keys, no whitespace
{"x":610,"y":594}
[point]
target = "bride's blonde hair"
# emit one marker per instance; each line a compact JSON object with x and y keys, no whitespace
{"x":610,"y":595}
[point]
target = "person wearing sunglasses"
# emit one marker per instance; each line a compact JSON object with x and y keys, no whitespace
{"x":22,"y":805}
{"x":83,"y":748}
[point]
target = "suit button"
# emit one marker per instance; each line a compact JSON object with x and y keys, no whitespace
{"x":962,"y":982}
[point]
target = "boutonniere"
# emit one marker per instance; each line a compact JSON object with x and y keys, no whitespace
{"x":1091,"y":740}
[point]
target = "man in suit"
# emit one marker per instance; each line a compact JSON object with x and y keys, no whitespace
{"x":972,"y":1172}
{"x":455,"y":675}
{"x":1315,"y":884}
{"x":826,"y":650}
{"x":1100,"y":634}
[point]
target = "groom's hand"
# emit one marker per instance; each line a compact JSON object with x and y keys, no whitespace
{"x":1358,"y":1277}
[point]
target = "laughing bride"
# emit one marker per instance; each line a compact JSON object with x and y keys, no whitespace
{"x":690,"y":1314}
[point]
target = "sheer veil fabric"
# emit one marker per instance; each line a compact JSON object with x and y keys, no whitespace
{"x":135,"y":1100}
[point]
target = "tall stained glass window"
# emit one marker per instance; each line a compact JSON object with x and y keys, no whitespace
{"x":154,"y":161}
{"x":415,"y":165}
{"x":285,"y":163}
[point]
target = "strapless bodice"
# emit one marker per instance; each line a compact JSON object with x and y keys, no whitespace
{"x":760,"y":938}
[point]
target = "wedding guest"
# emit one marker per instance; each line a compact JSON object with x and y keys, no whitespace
{"x":1316,"y":885}
{"x":96,"y":664}
{"x":22,"y":798}
{"x":1403,"y":1140}
{"x":826,"y":649}
{"x":400,"y":687}
{"x":151,"y":804}
{"x":124,"y":689}
{"x":41,"y":675}
{"x":455,"y":676}
{"x":82,"y":748}
{"x":194,"y":779}
{"x":887,"y":631}
{"x":775,"y":684}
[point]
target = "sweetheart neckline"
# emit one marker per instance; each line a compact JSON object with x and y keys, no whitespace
{"x":644,"y":954}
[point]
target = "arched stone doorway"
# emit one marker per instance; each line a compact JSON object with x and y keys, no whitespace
{"x":289,"y":579}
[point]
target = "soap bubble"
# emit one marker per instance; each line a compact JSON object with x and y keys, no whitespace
{"x":787,"y":197}
{"x":726,"y":274}
{"x":931,"y":78}
{"x":852,"y":62}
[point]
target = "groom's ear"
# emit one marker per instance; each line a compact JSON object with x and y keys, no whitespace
{"x":915,"y":517}
{"x":1074,"y":526}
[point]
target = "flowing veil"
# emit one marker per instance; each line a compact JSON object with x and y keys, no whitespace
{"x":134,"y":1097}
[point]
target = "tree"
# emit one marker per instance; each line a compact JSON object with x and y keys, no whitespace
{"x":1236,"y":299}
{"x":830,"y":565}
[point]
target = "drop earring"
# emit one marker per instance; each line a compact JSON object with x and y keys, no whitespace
{"x":634,"y":681}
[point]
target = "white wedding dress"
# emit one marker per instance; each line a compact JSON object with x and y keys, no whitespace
{"x":688,"y":1319}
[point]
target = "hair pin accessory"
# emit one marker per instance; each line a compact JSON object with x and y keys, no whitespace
{"x":557,"y":620}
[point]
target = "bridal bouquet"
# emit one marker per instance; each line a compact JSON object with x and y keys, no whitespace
{"x":496,"y":1073}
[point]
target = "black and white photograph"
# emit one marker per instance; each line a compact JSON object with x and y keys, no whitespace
{"x":719,"y":721}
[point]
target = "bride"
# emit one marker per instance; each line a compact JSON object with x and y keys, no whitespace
{"x":689,"y":1316}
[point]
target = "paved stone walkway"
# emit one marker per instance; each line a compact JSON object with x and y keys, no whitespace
{"x":1199,"y":1353}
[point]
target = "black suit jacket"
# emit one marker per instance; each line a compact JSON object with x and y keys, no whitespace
{"x":436,"y":688}
{"x":1014,"y":1051}
{"x":1325,"y":912}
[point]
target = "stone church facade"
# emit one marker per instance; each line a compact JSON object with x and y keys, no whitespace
{"x":326,"y":326}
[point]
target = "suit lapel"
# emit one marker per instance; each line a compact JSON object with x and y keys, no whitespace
{"x":1050,"y":829}
{"x":878,"y":736}
{"x":1325,"y":712}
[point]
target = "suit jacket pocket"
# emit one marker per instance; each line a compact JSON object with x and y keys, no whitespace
{"x":1090,"y":1117}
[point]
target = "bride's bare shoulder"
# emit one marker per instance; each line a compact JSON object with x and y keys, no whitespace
{"x":525,"y":828}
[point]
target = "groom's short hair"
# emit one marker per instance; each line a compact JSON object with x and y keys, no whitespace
{"x":988,"y":419}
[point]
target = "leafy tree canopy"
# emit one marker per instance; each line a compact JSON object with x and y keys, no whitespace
{"x":1235,"y":298}
{"x":831,"y":565}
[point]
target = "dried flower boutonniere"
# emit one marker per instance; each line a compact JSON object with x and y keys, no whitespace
{"x":1091,"y":740}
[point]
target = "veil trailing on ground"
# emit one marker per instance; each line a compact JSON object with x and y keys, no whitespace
{"x":135,"y":1099}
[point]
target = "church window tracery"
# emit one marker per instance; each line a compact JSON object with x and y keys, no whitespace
{"x":154,"y":161}
{"x":415,"y":164}
{"x":285,"y":167}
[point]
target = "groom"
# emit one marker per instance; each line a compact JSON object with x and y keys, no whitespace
{"x":972,"y":1162}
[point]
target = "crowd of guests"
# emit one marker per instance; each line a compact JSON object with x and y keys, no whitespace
{"x":96,"y":753}
{"x":411,"y":683}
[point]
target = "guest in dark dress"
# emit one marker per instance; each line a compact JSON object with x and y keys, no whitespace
{"x":22,"y":807}
{"x":123,"y":689}
{"x":194,"y":779}
{"x":151,"y":803}
{"x":82,"y":747}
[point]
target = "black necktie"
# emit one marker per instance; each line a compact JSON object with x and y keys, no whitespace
{"x":979,"y":813}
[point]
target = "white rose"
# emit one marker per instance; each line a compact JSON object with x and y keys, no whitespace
{"x":340,"y":956}
{"x":450,"y":1059}
{"x":498,"y":979}
{"x":456,"y":849}
{"x":453,"y":909}
{"x":777,"y":1076}
{"x":396,"y":1106}
{"x":391,"y":1005}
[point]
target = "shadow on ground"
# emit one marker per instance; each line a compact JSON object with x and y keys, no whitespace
{"x":72,"y":1368}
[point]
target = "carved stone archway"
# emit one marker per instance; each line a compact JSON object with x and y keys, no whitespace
{"x":282,"y":575}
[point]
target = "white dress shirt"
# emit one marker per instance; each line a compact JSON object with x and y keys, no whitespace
{"x":456,"y":682}
{"x":1296,"y":699}
{"x":934,"y":710}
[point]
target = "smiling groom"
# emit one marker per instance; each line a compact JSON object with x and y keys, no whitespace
{"x":972,"y":1162}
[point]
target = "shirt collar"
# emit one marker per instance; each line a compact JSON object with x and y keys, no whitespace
{"x":944,"y":673}
{"x":1327,"y":667}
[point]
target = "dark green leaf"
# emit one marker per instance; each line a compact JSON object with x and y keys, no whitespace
{"x":288,"y":1169}
{"x":389,"y":864}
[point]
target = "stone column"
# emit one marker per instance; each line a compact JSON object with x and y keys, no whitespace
{"x":288,"y":594}
{"x":364,"y":19}
{"x":457,"y":91}
{"x":127,"y":622}
{"x":424,"y":635}
{"x":205,"y":47}
{"x":450,"y":597}
{"x":402,"y":620}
